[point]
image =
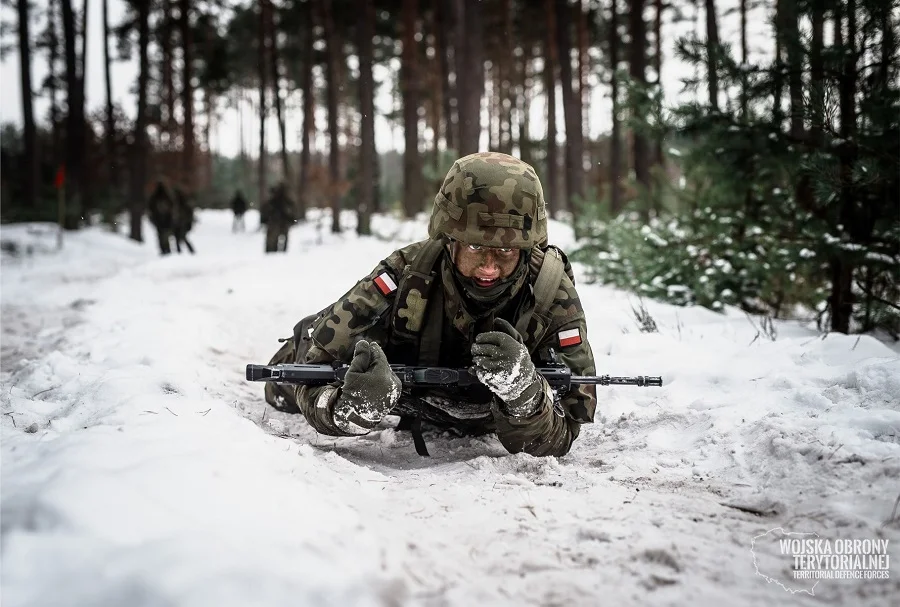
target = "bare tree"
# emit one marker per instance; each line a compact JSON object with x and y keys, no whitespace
{"x":112,"y":158}
{"x":712,"y":49}
{"x":443,"y":22}
{"x":842,"y":268}
{"x":469,"y":74}
{"x":52,"y":78}
{"x":187,"y":94}
{"x":615,"y":150}
{"x":263,"y":109}
{"x":306,"y":84}
{"x":658,"y":157}
{"x":29,"y":131}
{"x":332,"y":54}
{"x":558,"y":203}
{"x":637,"y":69}
{"x":744,"y":84}
{"x":367,"y":153}
{"x":794,"y":50}
{"x":414,"y":189}
{"x":817,"y":71}
{"x":571,"y":107}
{"x":275,"y":65}
{"x":75,"y":126}
{"x":139,"y":148}
{"x":778,"y":76}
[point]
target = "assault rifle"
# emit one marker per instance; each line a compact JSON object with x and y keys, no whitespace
{"x":558,"y":376}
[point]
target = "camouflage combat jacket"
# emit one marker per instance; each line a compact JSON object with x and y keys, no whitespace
{"x":371,"y":310}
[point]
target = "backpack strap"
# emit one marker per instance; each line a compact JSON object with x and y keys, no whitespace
{"x":411,"y":302}
{"x":533,"y":324}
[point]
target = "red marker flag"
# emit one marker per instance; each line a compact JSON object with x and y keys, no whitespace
{"x":60,"y":179}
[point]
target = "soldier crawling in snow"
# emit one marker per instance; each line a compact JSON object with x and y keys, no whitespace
{"x":485,"y":291}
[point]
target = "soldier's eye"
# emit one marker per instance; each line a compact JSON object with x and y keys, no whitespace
{"x":475,"y":247}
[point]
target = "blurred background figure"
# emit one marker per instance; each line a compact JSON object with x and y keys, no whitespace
{"x":182,"y":220}
{"x":239,"y":207}
{"x":161,"y":210}
{"x":279,"y":218}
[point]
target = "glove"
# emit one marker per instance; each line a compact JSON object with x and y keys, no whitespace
{"x":502,"y":363}
{"x":370,"y":390}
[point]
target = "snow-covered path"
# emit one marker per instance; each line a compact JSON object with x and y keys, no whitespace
{"x":139,"y":468}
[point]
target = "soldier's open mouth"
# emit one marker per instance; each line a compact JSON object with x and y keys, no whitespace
{"x":485,"y":282}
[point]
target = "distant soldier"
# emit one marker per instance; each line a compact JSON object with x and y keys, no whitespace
{"x":183,"y":220}
{"x":239,"y":206}
{"x":279,"y":217}
{"x":160,"y":210}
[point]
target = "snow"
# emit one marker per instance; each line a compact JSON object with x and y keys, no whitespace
{"x":139,"y":467}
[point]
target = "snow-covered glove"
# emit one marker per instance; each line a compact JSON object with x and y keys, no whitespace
{"x":370,"y":390}
{"x":502,"y":363}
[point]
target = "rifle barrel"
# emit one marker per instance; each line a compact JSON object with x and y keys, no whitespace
{"x":644,"y":381}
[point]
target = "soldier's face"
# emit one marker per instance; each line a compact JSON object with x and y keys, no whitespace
{"x":484,"y":265}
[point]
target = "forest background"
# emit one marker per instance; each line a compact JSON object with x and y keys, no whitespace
{"x":769,"y":181}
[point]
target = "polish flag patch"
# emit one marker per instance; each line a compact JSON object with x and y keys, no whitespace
{"x":385,"y":283}
{"x":570,"y":337}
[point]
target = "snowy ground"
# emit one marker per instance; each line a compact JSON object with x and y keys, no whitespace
{"x":139,"y":468}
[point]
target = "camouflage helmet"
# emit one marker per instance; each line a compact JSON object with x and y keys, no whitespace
{"x":490,"y":199}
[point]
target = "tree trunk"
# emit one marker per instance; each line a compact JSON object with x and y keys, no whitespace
{"x":470,"y":74}
{"x":744,"y":84}
{"x":712,"y":50}
{"x":816,"y":72}
{"x":210,"y":104}
{"x":795,"y":68}
{"x":557,"y":202}
{"x":367,"y":153}
{"x":276,"y":92}
{"x":112,"y":158}
{"x":659,"y":158}
{"x":413,"y":190}
{"x":306,"y":84}
{"x":615,"y":144}
{"x":28,"y":129}
{"x":139,"y":152}
{"x":443,"y":16}
{"x":331,"y":59}
{"x":54,"y":56}
{"x":583,"y":69}
{"x":525,"y":95}
{"x":637,"y":69}
{"x":842,"y":267}
{"x":187,"y":95}
{"x":507,"y":67}
{"x":494,"y":103}
{"x":262,"y":178}
{"x":167,"y":67}
{"x":778,"y":76}
{"x":571,"y":109}
{"x":75,"y":127}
